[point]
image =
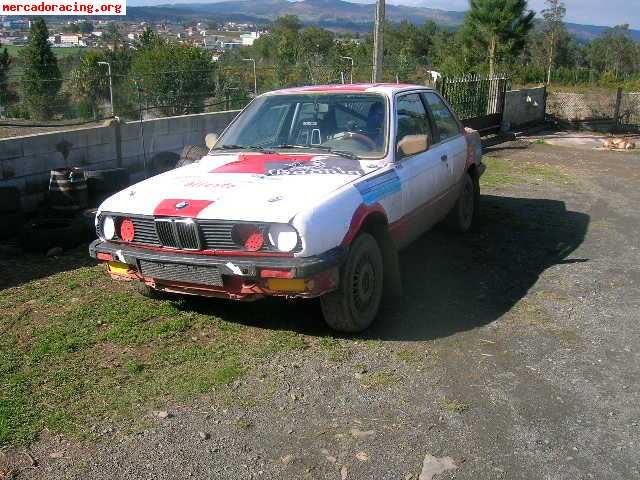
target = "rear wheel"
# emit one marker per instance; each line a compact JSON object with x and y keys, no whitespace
{"x":464,"y":214}
{"x":354,"y":306}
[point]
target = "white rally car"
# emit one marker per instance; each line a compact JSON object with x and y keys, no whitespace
{"x":310,"y":192}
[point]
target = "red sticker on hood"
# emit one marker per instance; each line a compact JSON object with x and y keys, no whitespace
{"x":257,"y":163}
{"x":180,"y":207}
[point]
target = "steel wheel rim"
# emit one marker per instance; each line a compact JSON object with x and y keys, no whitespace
{"x":363,"y":283}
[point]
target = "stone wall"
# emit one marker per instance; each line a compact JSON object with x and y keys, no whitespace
{"x":524,"y":107}
{"x":26,"y":161}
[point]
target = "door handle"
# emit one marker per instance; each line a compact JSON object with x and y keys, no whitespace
{"x":444,"y":158}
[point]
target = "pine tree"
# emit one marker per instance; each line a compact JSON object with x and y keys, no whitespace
{"x":41,"y":78}
{"x":5,"y":62}
{"x":498,"y":26}
{"x":553,"y":24}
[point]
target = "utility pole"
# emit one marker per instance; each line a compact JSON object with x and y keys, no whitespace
{"x":110,"y":85}
{"x":255,"y":77}
{"x":378,"y":42}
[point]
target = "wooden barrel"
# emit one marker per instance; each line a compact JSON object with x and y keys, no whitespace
{"x":68,"y":190}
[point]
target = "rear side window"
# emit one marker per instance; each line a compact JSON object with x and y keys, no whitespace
{"x":413,"y":125}
{"x":446,"y":123}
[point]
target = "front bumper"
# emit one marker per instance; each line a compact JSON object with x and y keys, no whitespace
{"x":242,"y":277}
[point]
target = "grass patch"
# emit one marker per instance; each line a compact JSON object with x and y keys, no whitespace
{"x":453,"y":405}
{"x":379,"y":379}
{"x":77,"y":349}
{"x":409,"y":356}
{"x":337,"y":350}
{"x":504,"y":172}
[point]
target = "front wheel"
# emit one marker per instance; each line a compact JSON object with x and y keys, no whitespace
{"x":354,"y":305}
{"x":464,"y":214}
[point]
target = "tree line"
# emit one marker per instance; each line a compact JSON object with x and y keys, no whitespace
{"x":171,"y":78}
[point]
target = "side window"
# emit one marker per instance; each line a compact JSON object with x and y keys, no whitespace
{"x":446,"y":123}
{"x":414,"y":129}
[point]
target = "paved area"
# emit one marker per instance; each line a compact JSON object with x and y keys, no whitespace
{"x":514,"y":353}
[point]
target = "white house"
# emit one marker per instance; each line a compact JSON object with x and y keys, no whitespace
{"x":247,"y":39}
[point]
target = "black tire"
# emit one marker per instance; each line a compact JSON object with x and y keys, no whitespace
{"x":190,"y":154}
{"x":102,"y":183}
{"x":146,"y":291}
{"x":9,"y":200}
{"x":41,"y":235}
{"x":87,"y":220}
{"x":353,"y":307}
{"x":464,"y":215}
{"x":163,"y":162}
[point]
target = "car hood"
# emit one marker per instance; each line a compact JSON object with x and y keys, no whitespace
{"x":246,"y":186}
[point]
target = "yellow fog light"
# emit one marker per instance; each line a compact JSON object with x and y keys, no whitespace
{"x":118,"y":268}
{"x":286,"y":284}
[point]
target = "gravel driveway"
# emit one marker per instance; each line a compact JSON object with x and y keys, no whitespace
{"x":515,"y":352}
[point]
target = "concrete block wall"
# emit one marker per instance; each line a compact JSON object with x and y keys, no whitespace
{"x":26,"y":161}
{"x":524,"y":107}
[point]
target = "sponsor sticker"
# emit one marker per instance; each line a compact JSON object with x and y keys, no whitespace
{"x":375,"y":189}
{"x":328,"y":166}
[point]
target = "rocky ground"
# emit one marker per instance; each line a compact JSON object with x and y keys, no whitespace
{"x":514,"y":353}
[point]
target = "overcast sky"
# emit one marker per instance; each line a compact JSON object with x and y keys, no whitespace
{"x":590,"y":12}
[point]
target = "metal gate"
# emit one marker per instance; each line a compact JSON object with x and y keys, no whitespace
{"x":478,"y":101}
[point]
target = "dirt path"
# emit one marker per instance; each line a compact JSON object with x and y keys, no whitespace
{"x":515,"y":351}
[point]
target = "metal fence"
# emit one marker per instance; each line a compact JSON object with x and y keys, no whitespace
{"x":612,"y":109}
{"x":479,"y":101}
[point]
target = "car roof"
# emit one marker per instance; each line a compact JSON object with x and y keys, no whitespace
{"x":385,"y":88}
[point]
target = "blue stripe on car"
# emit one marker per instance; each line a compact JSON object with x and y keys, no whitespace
{"x":375,"y":189}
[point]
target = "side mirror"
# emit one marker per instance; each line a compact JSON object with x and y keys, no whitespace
{"x":412,"y":144}
{"x":211,"y":139}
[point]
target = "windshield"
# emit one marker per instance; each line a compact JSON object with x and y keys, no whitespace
{"x":351,"y":124}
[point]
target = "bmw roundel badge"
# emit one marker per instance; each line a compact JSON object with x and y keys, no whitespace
{"x":181,"y":205}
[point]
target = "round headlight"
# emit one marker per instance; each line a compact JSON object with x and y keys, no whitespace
{"x":109,"y":228}
{"x":284,"y":237}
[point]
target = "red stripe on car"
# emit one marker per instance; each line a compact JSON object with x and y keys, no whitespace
{"x":181,"y":207}
{"x":257,"y":163}
{"x":359,"y":216}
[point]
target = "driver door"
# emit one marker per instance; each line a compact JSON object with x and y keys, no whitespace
{"x":419,"y":165}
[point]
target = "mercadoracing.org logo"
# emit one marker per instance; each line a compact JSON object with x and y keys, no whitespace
{"x":63,"y":7}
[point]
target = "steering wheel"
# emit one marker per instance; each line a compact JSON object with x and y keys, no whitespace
{"x":358,"y":137}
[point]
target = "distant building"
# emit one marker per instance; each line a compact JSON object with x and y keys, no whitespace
{"x":247,"y":39}
{"x":212,"y":42}
{"x":231,"y":45}
{"x":70,"y":39}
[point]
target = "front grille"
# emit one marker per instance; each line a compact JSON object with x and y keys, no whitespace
{"x":185,"y":233}
{"x":145,"y":231}
{"x":164,"y":229}
{"x":198,"y":274}
{"x":181,"y":233}
{"x":188,"y":235}
{"x":216,"y":235}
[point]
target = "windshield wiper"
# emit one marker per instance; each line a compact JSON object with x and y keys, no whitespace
{"x":342,"y":153}
{"x":256,"y":148}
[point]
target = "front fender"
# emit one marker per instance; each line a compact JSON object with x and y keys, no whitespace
{"x":325,"y":226}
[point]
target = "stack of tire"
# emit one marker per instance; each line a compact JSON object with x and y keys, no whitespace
{"x":11,"y":218}
{"x":190,"y":154}
{"x":68,"y":221}
{"x":101,"y":184}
